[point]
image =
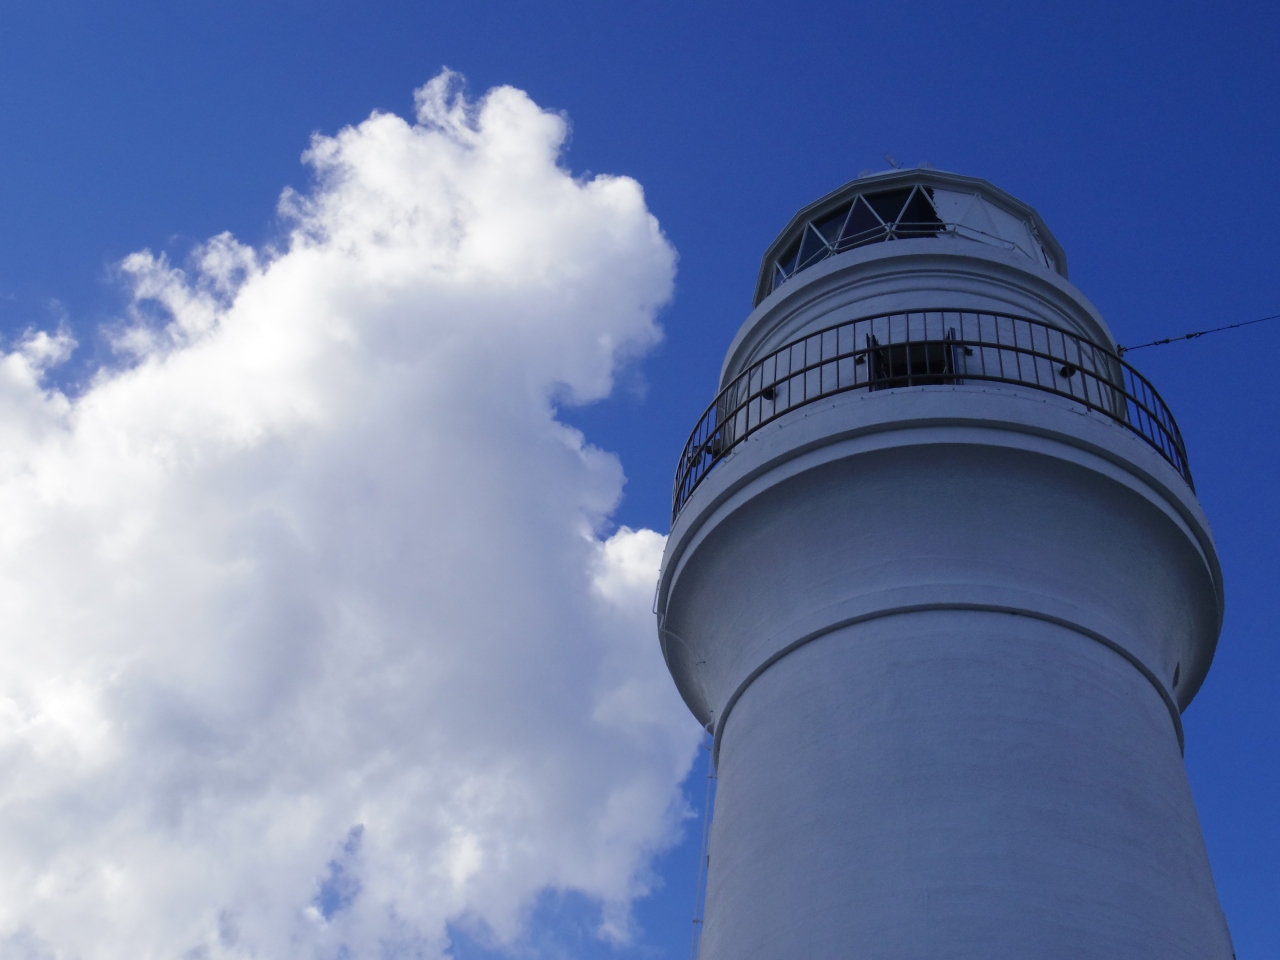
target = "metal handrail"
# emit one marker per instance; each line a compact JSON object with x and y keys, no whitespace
{"x":936,"y":347}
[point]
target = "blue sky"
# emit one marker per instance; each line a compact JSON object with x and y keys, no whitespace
{"x":1145,"y":134}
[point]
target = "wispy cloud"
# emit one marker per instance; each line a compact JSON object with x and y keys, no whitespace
{"x":309,"y":641}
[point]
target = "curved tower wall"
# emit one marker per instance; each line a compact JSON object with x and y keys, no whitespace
{"x":943,"y":635}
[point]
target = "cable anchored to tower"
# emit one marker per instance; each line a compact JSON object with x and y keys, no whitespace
{"x":1198,"y":333}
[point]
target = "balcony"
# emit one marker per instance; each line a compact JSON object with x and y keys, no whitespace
{"x":933,"y":348}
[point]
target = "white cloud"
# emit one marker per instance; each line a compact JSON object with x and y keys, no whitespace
{"x":308,"y":637}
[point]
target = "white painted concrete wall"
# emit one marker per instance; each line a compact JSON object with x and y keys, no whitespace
{"x":936,"y":630}
{"x":956,"y":784}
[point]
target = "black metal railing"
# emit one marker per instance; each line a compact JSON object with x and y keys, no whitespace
{"x":920,"y":349}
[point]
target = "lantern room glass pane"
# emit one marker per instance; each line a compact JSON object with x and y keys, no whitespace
{"x":889,"y":204}
{"x":862,"y":226}
{"x":829,"y":226}
{"x":919,"y":219}
{"x":787,"y":262}
{"x":812,"y":249}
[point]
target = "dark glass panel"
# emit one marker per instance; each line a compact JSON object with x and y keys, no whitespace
{"x":812,"y":249}
{"x":829,"y":226}
{"x":918,"y":219}
{"x":861,"y":227}
{"x":787,"y":262}
{"x":888,"y":204}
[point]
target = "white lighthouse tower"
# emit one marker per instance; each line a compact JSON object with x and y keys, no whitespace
{"x":939,"y":584}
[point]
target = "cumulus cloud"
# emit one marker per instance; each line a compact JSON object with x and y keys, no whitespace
{"x":312,"y":640}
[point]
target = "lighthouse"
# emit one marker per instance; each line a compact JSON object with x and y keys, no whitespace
{"x":939,"y":585}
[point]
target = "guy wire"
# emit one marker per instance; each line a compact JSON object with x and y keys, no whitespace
{"x":1198,"y":333}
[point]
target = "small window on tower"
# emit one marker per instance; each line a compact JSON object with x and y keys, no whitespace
{"x":913,"y":364}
